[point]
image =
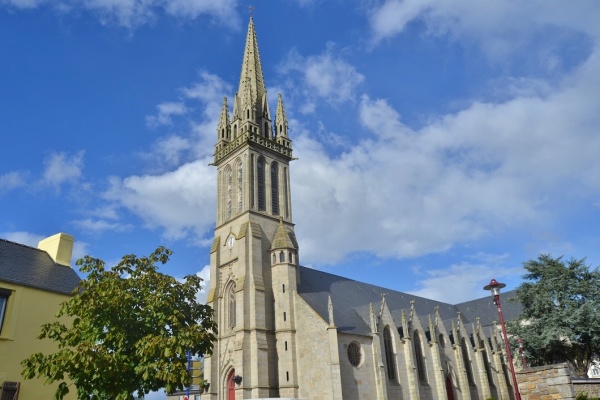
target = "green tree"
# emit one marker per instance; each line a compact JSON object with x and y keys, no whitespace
{"x":561,"y":312}
{"x":130,"y":330}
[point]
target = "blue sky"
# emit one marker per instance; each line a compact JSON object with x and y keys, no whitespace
{"x":440,"y":143}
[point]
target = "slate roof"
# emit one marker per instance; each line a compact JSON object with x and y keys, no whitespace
{"x":28,"y":266}
{"x":351,"y":302}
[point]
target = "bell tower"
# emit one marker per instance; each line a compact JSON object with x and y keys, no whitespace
{"x":254,"y":255}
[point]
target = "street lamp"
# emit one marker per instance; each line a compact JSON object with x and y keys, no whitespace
{"x":494,"y":286}
{"x":521,"y":344}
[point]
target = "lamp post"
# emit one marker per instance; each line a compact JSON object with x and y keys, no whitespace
{"x":494,"y":286}
{"x":521,"y":344}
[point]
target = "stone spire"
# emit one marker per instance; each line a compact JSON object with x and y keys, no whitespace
{"x":223,"y":128}
{"x":282,"y":238}
{"x":251,"y":90}
{"x":281,"y":123}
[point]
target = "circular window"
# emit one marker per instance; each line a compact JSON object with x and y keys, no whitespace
{"x":354,"y":354}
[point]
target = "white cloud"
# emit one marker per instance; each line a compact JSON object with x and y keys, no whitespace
{"x":325,"y":76}
{"x":205,"y":275}
{"x":61,"y":168}
{"x":485,"y":169}
{"x":462,"y":282}
{"x":26,"y":238}
{"x":499,"y":28}
{"x":392,"y":16}
{"x":165,"y":112}
{"x":23,"y":4}
{"x":12,"y":180}
{"x":180,"y":202}
{"x":133,"y":13}
{"x":100,"y":225}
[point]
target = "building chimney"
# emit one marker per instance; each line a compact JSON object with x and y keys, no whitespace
{"x":59,"y":247}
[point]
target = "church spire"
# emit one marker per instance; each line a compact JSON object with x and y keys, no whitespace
{"x":223,"y":128}
{"x":281,"y":124}
{"x":251,"y":90}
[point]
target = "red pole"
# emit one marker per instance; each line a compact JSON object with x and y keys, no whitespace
{"x":508,"y":352}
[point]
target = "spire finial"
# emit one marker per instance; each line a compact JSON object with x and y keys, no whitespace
{"x":251,"y":9}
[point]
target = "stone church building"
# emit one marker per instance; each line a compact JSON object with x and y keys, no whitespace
{"x":286,"y":331}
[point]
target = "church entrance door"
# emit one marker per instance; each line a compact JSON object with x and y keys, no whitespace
{"x":231,"y":386}
{"x":449,"y":389}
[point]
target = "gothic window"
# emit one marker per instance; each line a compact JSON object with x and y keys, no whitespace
{"x":389,"y":353}
{"x":354,"y":354}
{"x":229,"y":189}
{"x":291,"y":257}
{"x":281,"y":257}
{"x":267,"y":130}
{"x":275,"y":188}
{"x":240,"y":187}
{"x":235,"y":131}
{"x":419,"y":358}
{"x":231,"y":305}
{"x":285,"y":193}
{"x":251,"y":181}
{"x":488,"y":368}
{"x":467,"y":361}
{"x":260,"y":172}
{"x":274,"y":259}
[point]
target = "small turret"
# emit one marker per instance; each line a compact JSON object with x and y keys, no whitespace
{"x":281,"y":124}
{"x":224,"y":128}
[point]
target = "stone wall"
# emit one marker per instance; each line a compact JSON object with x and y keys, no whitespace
{"x":589,"y":386}
{"x":546,"y":383}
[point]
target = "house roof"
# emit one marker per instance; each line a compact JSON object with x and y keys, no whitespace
{"x":352,"y":300}
{"x":28,"y":266}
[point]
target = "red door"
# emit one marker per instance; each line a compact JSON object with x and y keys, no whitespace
{"x":231,"y":386}
{"x":449,"y":389}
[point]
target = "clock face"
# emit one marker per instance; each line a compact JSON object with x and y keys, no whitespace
{"x":230,"y":241}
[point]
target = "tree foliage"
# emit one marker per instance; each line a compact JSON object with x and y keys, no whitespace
{"x":561,"y":315}
{"x":130,"y":330}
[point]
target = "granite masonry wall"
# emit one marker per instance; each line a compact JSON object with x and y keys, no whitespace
{"x":589,"y":386}
{"x":549,"y":382}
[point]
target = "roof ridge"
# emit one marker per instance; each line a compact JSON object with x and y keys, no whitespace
{"x":21,"y":244}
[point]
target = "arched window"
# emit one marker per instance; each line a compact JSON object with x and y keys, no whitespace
{"x":235,"y":131}
{"x":229,"y":190}
{"x":274,"y":188}
{"x":467,"y":361}
{"x":231,"y":308}
{"x":251,"y":181}
{"x":488,"y":367}
{"x":389,"y":353}
{"x":260,"y":172}
{"x":285,"y":193}
{"x":240,"y":186}
{"x":267,"y":133}
{"x":419,"y":358}
{"x":281,"y":257}
{"x":274,"y":259}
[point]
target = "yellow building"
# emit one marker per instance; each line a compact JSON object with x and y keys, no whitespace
{"x":33,"y":283}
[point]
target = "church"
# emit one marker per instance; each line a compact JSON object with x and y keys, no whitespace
{"x":291,"y":332}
